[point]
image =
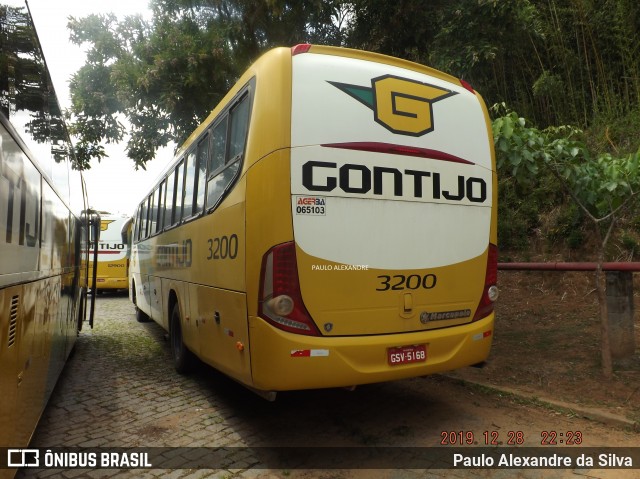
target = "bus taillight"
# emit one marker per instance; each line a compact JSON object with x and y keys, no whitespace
{"x":281,"y":301}
{"x":490,"y":292}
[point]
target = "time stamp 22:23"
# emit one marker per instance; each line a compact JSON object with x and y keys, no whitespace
{"x":513,"y":438}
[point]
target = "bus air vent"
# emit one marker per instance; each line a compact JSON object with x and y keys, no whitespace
{"x":13,"y":320}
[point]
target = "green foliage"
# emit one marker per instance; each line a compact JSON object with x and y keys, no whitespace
{"x":165,"y":75}
{"x":629,"y":242}
{"x":519,"y":148}
{"x":403,"y":28}
{"x":567,"y":226}
{"x":162,"y":77}
{"x":575,"y":239}
{"x":518,"y":215}
{"x":615,"y":134}
{"x":548,"y":85}
{"x":602,"y":186}
{"x":600,"y":183}
{"x":554,"y":61}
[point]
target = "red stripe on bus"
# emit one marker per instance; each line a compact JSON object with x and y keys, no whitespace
{"x":404,"y":150}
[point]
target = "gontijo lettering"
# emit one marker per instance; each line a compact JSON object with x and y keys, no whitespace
{"x":407,"y":183}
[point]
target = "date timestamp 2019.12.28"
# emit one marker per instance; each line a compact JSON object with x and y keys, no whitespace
{"x":509,"y":438}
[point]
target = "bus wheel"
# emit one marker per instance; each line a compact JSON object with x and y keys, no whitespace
{"x":141,"y":316}
{"x":182,"y":357}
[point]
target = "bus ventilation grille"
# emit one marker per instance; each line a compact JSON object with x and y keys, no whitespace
{"x":13,"y":320}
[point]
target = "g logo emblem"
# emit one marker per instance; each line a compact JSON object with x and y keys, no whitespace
{"x":400,"y":105}
{"x":405,"y":106}
{"x":104,"y":224}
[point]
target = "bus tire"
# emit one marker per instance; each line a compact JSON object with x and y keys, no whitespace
{"x":141,"y":316}
{"x":183,"y":359}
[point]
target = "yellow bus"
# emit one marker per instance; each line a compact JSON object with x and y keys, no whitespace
{"x":113,"y":255}
{"x":331,"y":223}
{"x":45,"y":232}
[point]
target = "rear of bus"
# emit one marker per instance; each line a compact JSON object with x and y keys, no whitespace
{"x":390,"y":269}
{"x":113,"y":258}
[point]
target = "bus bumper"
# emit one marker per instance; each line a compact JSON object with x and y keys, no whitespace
{"x":282,"y":361}
{"x":112,"y":283}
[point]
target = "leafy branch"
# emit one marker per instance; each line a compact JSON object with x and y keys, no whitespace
{"x":603,"y":187}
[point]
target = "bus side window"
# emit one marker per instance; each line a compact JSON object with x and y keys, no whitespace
{"x":218,"y":147}
{"x":189,"y":184}
{"x":143,"y":220}
{"x":239,"y":127}
{"x":227,"y":150}
{"x":136,"y":223}
{"x":147,"y":232}
{"x":169,"y":200}
{"x":139,"y":234}
{"x":215,"y":186}
{"x":162,"y":189}
{"x":152,"y":214}
{"x":179,"y":195}
{"x":201,"y":174}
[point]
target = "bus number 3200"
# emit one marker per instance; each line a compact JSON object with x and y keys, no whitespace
{"x":223,"y":247}
{"x":400,"y":281}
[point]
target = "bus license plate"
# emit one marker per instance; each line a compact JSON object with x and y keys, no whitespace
{"x":416,"y":353}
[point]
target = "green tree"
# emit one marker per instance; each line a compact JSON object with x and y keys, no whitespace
{"x":489,"y":43}
{"x":604,"y":187}
{"x":165,"y":75}
{"x":404,"y":28}
{"x":555,"y":61}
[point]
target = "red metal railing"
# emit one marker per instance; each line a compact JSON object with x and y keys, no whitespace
{"x":562,"y":266}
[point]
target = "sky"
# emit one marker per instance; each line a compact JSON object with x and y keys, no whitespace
{"x":113,"y":184}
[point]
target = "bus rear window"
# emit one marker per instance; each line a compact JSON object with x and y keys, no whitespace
{"x":239,"y":124}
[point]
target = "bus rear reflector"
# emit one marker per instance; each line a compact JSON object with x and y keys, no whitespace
{"x":280,"y":300}
{"x":467,"y":86}
{"x":404,"y":150}
{"x":300,"y":48}
{"x":490,"y":291}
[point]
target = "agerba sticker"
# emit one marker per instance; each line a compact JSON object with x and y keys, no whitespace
{"x":311,"y":205}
